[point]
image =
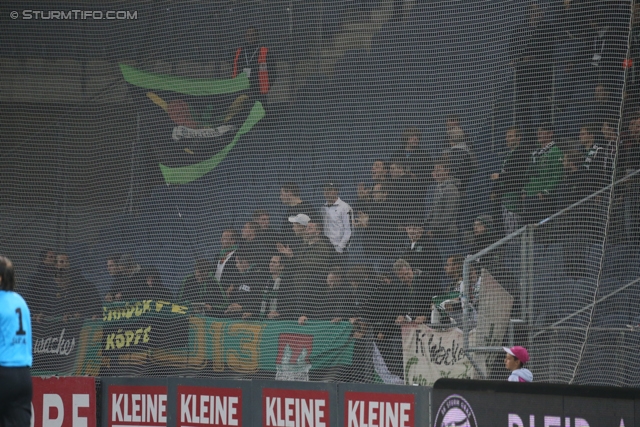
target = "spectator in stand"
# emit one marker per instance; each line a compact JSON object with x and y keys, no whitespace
{"x":544,"y":175}
{"x":609,"y":138}
{"x":417,"y":301}
{"x":246,"y":293}
{"x":113,"y":268}
{"x":331,"y":302}
{"x":378,"y":176}
{"x":602,"y":102}
{"x":226,"y":271}
{"x":252,"y":59}
{"x":415,"y":159}
{"x":297,"y":244}
{"x":422,"y":253}
{"x":453,"y":123}
{"x":442,"y":220}
{"x":255,"y":245}
{"x":401,"y":302}
{"x":316,"y":258}
{"x":405,"y":191}
{"x":280,"y":299}
{"x":595,"y":158}
{"x":514,"y":361}
{"x":447,"y":308}
{"x":130,"y":278}
{"x":151,"y":287}
{"x":248,"y":234}
{"x":574,"y":187}
{"x":362,"y":282}
{"x":40,"y":282}
{"x":338,"y":217}
{"x":290,"y":197}
{"x":378,"y":220}
{"x":484,"y":235}
{"x":509,"y":181}
{"x":379,"y":171}
{"x":266,"y":234}
{"x":629,"y":162}
{"x":462,"y":159}
{"x":73,"y":295}
{"x":202,"y":292}
{"x":453,"y":271}
{"x":115,"y":272}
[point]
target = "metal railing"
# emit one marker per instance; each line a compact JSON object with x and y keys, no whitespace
{"x":526,"y":234}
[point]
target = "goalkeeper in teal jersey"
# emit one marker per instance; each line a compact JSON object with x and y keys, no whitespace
{"x":15,"y":352}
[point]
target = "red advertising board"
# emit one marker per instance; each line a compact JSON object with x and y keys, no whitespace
{"x":208,"y":406}
{"x":364,"y":409}
{"x":137,"y":406}
{"x":295,"y":408}
{"x":63,"y":402}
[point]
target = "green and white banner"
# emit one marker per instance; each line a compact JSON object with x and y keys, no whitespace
{"x":192,"y":124}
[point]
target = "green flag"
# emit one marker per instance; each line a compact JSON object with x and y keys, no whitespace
{"x":191,"y":124}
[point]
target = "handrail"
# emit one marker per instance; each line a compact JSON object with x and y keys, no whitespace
{"x":589,"y":197}
{"x":633,"y":282}
{"x":516,"y":233}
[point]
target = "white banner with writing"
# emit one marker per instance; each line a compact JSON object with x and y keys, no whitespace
{"x":430,"y":354}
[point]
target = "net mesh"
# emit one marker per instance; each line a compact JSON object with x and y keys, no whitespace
{"x":289,"y":189}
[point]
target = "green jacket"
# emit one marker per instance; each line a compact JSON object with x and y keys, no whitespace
{"x":545,"y":171}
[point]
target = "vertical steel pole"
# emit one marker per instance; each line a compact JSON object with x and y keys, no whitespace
{"x":530,"y":263}
{"x":513,"y":100}
{"x":553,"y":95}
{"x":463,"y":298}
{"x":524,"y":286}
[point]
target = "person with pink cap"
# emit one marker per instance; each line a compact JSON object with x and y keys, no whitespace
{"x":514,"y":361}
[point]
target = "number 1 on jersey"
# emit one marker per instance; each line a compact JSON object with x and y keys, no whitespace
{"x":20,"y":330}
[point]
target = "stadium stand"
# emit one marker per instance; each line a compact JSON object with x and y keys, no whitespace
{"x":130,"y":136}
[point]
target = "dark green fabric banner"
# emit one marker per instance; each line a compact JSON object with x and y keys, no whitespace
{"x":191,"y":124}
{"x":283,"y":348}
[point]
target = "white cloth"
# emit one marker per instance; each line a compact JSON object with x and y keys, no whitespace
{"x":382,"y":370}
{"x":337,"y":224}
{"x":221,"y":264}
{"x":522,"y":375}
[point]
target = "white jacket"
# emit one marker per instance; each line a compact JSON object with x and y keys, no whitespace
{"x":337,"y":224}
{"x":522,"y":375}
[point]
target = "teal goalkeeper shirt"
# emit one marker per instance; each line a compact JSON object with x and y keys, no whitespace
{"x":15,"y":331}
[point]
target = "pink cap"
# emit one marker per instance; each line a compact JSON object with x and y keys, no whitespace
{"x":518,"y":352}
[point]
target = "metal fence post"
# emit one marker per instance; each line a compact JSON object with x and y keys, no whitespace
{"x":529,"y":237}
{"x":524,"y":286}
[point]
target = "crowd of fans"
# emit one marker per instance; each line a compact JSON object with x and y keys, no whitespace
{"x":409,"y":269}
